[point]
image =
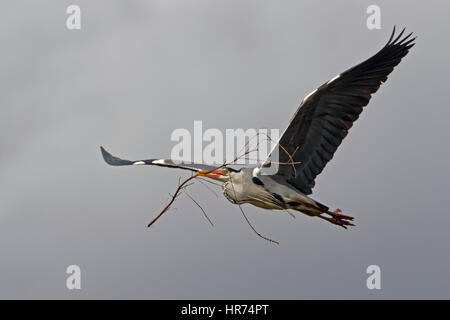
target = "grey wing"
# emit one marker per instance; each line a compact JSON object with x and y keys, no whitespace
{"x":325,"y":116}
{"x":115,"y":161}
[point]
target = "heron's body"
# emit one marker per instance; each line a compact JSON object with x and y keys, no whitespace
{"x":246,"y":186}
{"x":309,"y":142}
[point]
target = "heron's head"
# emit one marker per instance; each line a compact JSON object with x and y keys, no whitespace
{"x":221,"y":174}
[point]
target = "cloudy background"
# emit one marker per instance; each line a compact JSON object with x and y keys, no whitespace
{"x":136,"y":71}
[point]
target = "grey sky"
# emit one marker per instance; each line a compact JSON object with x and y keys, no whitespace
{"x":140,"y":69}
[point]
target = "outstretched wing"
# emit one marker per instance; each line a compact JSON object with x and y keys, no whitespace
{"x":115,"y":161}
{"x":324,"y":117}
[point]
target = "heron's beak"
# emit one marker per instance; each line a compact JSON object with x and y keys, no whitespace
{"x":218,"y":174}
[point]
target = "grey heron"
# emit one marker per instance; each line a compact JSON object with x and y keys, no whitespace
{"x":309,"y":142}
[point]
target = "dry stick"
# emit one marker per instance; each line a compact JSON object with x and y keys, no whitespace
{"x":202,"y":181}
{"x":208,"y":181}
{"x":175,"y":195}
{"x":291,"y":160}
{"x":184,"y":189}
{"x":245,"y":147}
{"x":290,"y":213}
{"x":246,"y":218}
{"x":276,"y":162}
{"x":249,"y":223}
{"x":251,"y":226}
{"x":240,"y":207}
{"x":184,"y":185}
{"x":172,"y":200}
{"x":198,"y":205}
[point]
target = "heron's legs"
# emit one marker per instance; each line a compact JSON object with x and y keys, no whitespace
{"x":337,"y":221}
{"x":338,"y":215}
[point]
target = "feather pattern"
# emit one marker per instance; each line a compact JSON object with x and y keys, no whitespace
{"x":324,"y":117}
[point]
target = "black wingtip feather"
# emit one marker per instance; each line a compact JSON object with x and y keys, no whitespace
{"x":391,"y":37}
{"x":399,"y":36}
{"x":113,"y":161}
{"x":398,"y":39}
{"x":323,"y":121}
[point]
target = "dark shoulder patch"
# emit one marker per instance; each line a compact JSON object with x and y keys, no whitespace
{"x":278,"y":197}
{"x":257,"y":181}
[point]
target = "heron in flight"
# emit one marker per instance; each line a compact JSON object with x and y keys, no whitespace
{"x":310,"y":140}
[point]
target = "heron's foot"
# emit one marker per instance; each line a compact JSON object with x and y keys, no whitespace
{"x":338,"y":215}
{"x":338,"y":221}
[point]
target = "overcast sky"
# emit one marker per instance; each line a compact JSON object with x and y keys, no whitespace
{"x":136,"y":71}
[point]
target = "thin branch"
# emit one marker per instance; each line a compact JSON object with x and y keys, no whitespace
{"x":290,"y":213}
{"x":203,"y":182}
{"x":198,"y":205}
{"x":248,"y":221}
{"x":186,"y":183}
{"x":251,"y":226}
{"x":172,"y":200}
{"x":291,"y":160}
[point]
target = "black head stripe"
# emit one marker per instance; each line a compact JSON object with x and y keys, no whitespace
{"x":257,"y":181}
{"x":278,"y":197}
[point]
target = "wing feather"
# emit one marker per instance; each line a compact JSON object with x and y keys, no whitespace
{"x":324,"y":117}
{"x":115,"y":161}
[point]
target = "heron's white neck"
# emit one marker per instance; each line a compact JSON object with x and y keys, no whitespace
{"x":256,"y":172}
